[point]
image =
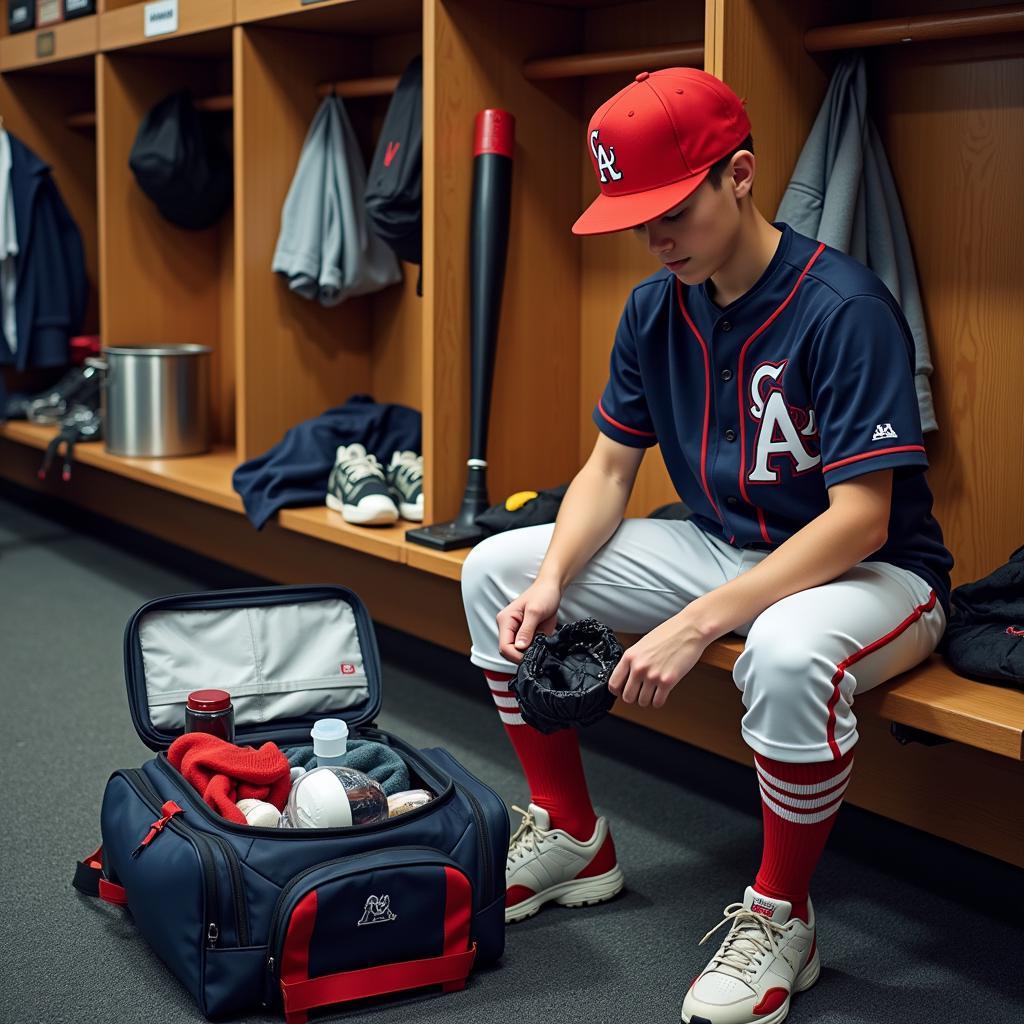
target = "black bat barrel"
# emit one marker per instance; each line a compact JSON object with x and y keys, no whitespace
{"x":492,"y":196}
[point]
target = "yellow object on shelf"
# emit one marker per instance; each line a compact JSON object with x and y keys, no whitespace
{"x":516,"y":501}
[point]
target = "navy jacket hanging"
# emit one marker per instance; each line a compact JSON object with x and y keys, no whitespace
{"x":51,"y":282}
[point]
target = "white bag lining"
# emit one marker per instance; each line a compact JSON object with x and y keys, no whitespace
{"x":276,"y":661}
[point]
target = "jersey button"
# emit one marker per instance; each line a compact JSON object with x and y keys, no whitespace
{"x":732,"y":501}
{"x":726,"y":326}
{"x":727,"y":375}
{"x":730,"y":435}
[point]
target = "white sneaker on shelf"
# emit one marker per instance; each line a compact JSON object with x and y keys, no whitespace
{"x":766,"y":956}
{"x":357,"y":488}
{"x":405,"y":481}
{"x":547,"y":864}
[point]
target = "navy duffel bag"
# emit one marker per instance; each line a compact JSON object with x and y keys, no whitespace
{"x":293,"y":918}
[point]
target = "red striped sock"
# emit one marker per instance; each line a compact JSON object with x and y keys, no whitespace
{"x":552,"y":763}
{"x":799,"y":803}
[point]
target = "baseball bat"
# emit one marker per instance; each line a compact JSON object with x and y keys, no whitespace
{"x":494,"y":143}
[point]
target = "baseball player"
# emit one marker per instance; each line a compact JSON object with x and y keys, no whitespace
{"x":776,"y":375}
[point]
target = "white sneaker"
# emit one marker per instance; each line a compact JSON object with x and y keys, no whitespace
{"x":357,"y":488}
{"x":765,"y":957}
{"x":546,"y":864}
{"x":405,"y":481}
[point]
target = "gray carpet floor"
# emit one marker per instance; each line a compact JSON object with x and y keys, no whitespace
{"x":911,"y":928}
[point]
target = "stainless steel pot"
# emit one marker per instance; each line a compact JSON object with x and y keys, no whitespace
{"x":155,"y":399}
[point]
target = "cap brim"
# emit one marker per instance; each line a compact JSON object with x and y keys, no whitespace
{"x":617,"y":213}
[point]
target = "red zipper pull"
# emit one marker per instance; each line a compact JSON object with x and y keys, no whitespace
{"x":169,"y":809}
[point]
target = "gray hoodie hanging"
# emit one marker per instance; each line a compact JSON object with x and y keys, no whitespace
{"x":325,"y":248}
{"x":842,"y":193}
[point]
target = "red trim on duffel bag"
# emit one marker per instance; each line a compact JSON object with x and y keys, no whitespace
{"x":89,"y":880}
{"x":458,"y":915}
{"x":302,"y":996}
{"x":295,"y":955}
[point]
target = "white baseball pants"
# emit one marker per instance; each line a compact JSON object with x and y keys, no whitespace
{"x":805,"y":658}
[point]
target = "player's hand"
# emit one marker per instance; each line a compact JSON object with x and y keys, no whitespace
{"x":533,"y":610}
{"x":649,"y":670}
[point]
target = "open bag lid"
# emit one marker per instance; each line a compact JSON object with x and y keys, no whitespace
{"x":286,"y":655}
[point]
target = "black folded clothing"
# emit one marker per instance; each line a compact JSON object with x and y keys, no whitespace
{"x":563,"y":678}
{"x":985,"y":635}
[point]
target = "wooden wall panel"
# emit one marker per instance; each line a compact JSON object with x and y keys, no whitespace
{"x":479,"y":50}
{"x":952,"y":130}
{"x":296,"y":357}
{"x":159,"y":283}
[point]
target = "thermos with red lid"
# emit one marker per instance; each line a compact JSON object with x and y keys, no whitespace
{"x":211,"y":711}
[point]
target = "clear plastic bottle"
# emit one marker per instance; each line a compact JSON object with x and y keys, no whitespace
{"x":334,"y":797}
{"x":330,"y":741}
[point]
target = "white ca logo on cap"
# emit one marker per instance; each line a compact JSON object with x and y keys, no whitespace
{"x":605,"y":158}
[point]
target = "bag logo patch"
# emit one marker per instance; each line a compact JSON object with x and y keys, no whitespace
{"x":391,"y":152}
{"x":377,"y":911}
{"x":348,"y":669}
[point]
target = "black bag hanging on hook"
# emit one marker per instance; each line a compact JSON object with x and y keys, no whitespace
{"x":394,"y":187}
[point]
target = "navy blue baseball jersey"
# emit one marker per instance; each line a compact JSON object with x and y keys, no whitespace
{"x":803,"y":382}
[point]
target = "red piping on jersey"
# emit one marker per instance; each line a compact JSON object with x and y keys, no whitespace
{"x":859,"y":655}
{"x":622,"y":426}
{"x":707,"y":402}
{"x":740,"y":387}
{"x":871,"y":455}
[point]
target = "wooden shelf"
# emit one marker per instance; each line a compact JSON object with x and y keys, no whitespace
{"x":125,"y":26}
{"x":969,"y":24}
{"x":930,"y":697}
{"x":357,"y":16}
{"x":578,"y":65}
{"x":326,"y":524}
{"x":72,"y":40}
{"x":201,"y":477}
{"x":207,"y":478}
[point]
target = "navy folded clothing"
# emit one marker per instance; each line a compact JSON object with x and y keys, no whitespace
{"x":377,"y":760}
{"x":295,"y":471}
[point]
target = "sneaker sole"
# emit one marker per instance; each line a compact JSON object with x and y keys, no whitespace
{"x":414,"y":513}
{"x":375,"y":510}
{"x":577,"y":892}
{"x":804,"y":980}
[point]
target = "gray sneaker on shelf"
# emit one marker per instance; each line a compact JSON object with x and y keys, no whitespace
{"x":358,"y":490}
{"x":405,"y":480}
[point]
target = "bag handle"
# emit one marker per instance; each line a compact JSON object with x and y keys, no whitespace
{"x":89,"y":879}
{"x":449,"y":970}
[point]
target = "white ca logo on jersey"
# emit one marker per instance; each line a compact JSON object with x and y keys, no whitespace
{"x":777,"y":433}
{"x":883,"y":430}
{"x":605,"y":158}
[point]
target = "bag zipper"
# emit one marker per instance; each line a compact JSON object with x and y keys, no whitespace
{"x":482,"y":831}
{"x":141,"y":786}
{"x":234,"y":871}
{"x":482,"y":837}
{"x":278,"y":917}
{"x":193,"y":798}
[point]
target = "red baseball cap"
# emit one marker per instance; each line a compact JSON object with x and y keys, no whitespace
{"x":653,"y":143}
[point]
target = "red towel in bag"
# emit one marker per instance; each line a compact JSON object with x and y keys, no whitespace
{"x":225,"y":774}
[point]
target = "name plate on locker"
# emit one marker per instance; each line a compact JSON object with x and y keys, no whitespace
{"x":160,"y":18}
{"x":45,"y":44}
